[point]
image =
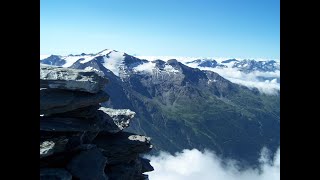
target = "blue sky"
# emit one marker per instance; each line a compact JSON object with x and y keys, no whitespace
{"x":215,"y":28}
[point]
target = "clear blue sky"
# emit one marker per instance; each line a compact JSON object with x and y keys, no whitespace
{"x":216,"y":28}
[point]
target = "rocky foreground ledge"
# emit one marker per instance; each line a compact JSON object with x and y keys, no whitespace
{"x":81,"y":140}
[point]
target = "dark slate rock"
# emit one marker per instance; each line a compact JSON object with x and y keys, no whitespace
{"x":85,"y":147}
{"x":60,"y":101}
{"x":88,"y":137}
{"x":101,"y":122}
{"x":53,"y":143}
{"x":122,"y":147}
{"x":88,"y":165}
{"x":85,"y":112}
{"x":54,"y":174}
{"x":60,"y":124}
{"x":145,"y":165}
{"x":129,"y":171}
{"x":71,"y":79}
{"x":125,"y":171}
{"x":56,"y":160}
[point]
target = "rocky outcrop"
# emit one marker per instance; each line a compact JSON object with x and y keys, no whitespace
{"x":121,"y":117}
{"x":70,"y":79}
{"x":79,"y":139}
{"x":60,"y":101}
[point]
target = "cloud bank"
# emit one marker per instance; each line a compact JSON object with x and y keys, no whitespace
{"x":251,"y":80}
{"x":196,"y":165}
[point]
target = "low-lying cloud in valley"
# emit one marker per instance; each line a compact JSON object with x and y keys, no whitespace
{"x":251,"y":80}
{"x":196,"y":165}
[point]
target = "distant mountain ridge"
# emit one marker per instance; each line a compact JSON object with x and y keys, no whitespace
{"x":207,"y":63}
{"x":263,"y":75}
{"x":184,"y":107}
{"x":245,"y":65}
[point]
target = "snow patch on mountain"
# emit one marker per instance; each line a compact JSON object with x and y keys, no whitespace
{"x":72,"y":59}
{"x":114,"y":62}
{"x":168,"y":68}
{"x":145,"y":67}
{"x":89,"y":68}
{"x":150,"y":67}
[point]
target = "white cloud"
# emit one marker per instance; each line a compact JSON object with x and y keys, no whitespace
{"x":249,"y":79}
{"x":196,"y":165}
{"x":267,"y":87}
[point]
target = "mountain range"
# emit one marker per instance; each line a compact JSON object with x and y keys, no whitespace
{"x":187,"y":104}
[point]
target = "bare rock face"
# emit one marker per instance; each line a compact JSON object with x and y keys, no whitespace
{"x":71,"y":79}
{"x":134,"y":168}
{"x":100,"y":122}
{"x":54,"y":101}
{"x":122,"y":147}
{"x":79,"y":139}
{"x":88,"y":165}
{"x":85,"y":112}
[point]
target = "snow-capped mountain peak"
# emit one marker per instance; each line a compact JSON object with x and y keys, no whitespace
{"x":156,"y":66}
{"x":110,"y":59}
{"x":205,"y":63}
{"x":105,"y":52}
{"x":114,"y":61}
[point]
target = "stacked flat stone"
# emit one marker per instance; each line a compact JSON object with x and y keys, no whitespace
{"x":79,"y":139}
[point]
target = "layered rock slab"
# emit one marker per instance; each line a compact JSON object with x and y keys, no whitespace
{"x":79,"y":139}
{"x":54,"y":77}
{"x":122,"y":147}
{"x":53,"y":101}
